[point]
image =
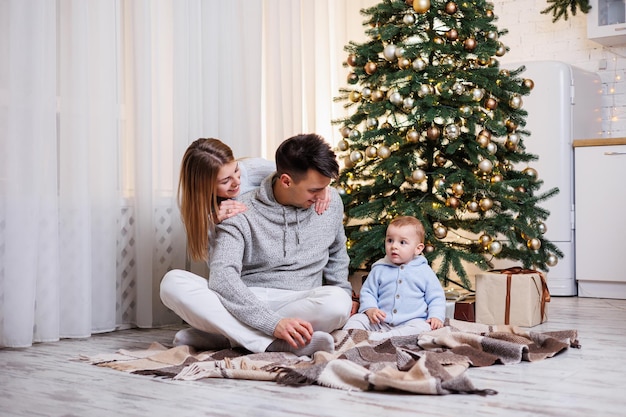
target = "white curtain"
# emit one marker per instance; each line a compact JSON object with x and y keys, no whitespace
{"x":99,"y":100}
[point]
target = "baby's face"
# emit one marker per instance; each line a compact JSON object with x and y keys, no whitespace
{"x":402,"y":244}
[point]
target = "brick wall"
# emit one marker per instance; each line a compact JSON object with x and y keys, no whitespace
{"x":533,"y":37}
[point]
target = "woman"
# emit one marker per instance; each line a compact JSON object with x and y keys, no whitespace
{"x":210,"y":180}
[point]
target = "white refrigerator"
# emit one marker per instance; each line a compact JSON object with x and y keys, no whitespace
{"x":565,"y":104}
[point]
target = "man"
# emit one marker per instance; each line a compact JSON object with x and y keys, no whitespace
{"x":278,"y":271}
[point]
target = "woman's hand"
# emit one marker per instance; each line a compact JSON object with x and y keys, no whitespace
{"x":230,"y":208}
{"x":322,"y":204}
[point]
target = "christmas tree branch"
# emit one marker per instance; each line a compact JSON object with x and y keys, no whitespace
{"x":558,"y":8}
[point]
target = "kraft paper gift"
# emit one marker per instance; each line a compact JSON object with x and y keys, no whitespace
{"x":512,"y":296}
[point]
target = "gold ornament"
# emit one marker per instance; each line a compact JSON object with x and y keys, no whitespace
{"x":453,"y":202}
{"x":510,"y":125}
{"x":355,"y":96}
{"x":477,"y":94}
{"x":345,"y":131}
{"x":528,"y":83}
{"x":485,"y":166}
{"x":440,"y":230}
{"x":495,"y":247}
{"x":491,"y":103}
{"x":452,"y":35}
{"x":484,"y":138}
{"x":485,"y":240}
{"x":510,"y":146}
{"x":472,"y":206}
{"x":542,"y":228}
{"x":489,"y":14}
{"x":470,"y":44}
{"x":451,"y":7}
{"x":421,"y":6}
{"x":429,"y":248}
{"x":384,"y":152}
{"x":355,"y":134}
{"x":408,"y":103}
{"x":356,"y":156}
{"x":395,"y":98}
{"x":343,"y":145}
{"x":408,"y":19}
{"x":485,"y":204}
{"x":496,"y":178}
{"x":419,"y":64}
{"x":439,"y":183}
{"x":516,"y":102}
{"x":351,"y":60}
{"x":412,"y":136}
{"x":501,"y":50}
{"x":433,"y":132}
{"x":404,"y":63}
{"x":372,"y":123}
{"x":377,"y":95}
{"x":353,"y":78}
{"x":531,"y":172}
{"x":458,"y":189}
{"x":552,"y":260}
{"x":452,"y":131}
{"x":534,"y":244}
{"x":370,"y":68}
{"x":418,"y":175}
{"x":440,"y":160}
{"x":371,"y":152}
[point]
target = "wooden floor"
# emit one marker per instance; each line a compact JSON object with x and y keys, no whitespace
{"x":44,"y":381}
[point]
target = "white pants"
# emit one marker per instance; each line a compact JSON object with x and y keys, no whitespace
{"x":385,"y":330}
{"x":327,"y":308}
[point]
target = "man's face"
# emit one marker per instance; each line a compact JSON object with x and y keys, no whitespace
{"x":307,"y":191}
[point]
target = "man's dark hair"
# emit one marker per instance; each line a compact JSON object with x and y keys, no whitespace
{"x":296,"y":155}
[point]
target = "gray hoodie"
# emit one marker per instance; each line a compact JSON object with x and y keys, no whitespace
{"x":276,"y":246}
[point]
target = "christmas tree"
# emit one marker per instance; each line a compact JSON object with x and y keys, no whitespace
{"x":435,"y":129}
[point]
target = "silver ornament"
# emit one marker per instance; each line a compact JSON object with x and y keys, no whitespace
{"x":389,"y":53}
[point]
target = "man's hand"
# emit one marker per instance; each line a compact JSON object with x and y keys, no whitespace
{"x":375,"y":315}
{"x":295,"y":331}
{"x":355,"y":308}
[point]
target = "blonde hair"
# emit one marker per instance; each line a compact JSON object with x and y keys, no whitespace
{"x":197,"y":195}
{"x":401,"y":221}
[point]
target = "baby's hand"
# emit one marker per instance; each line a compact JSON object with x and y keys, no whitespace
{"x":435,"y":323}
{"x":375,"y":315}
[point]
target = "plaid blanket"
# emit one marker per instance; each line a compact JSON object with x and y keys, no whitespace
{"x":432,"y":363}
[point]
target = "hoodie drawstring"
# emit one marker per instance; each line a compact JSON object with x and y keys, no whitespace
{"x":285,"y":230}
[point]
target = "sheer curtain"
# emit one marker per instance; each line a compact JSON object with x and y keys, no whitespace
{"x":99,"y":100}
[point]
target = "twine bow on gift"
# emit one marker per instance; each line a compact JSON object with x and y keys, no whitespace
{"x":517,"y":270}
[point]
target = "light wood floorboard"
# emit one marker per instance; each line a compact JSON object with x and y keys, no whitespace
{"x":44,"y":381}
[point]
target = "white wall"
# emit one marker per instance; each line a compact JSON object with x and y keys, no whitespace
{"x":533,"y":37}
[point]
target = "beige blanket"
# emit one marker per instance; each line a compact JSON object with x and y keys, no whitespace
{"x":431,"y":363}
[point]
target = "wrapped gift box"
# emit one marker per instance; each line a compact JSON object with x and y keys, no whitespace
{"x":512,"y":296}
{"x":465,"y":309}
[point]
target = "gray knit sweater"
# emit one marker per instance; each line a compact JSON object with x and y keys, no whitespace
{"x":276,"y":246}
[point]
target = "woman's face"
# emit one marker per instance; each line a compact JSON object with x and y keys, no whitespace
{"x":228,"y":180}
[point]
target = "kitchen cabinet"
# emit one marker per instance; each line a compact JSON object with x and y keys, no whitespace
{"x":600,"y":219}
{"x":606,"y":22}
